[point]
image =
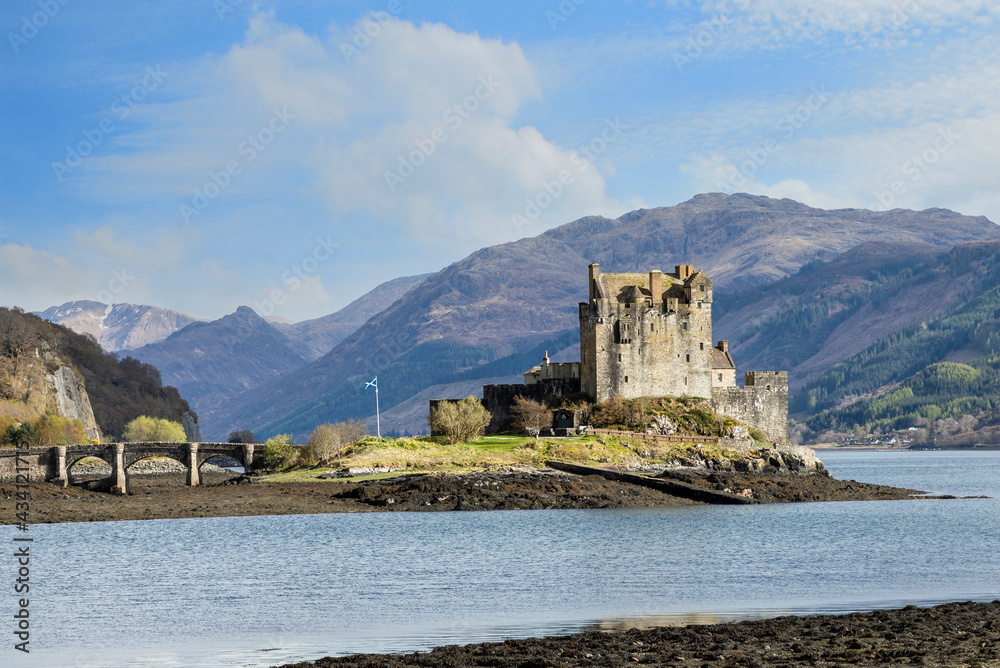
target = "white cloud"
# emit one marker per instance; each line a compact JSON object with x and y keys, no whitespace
{"x":36,"y":279}
{"x":805,"y":19}
{"x":359,"y":125}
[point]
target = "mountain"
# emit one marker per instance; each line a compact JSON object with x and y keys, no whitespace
{"x":209,"y":360}
{"x":503,"y":300}
{"x":53,"y":371}
{"x":119,"y":326}
{"x":944,"y":366}
{"x":314,"y":338}
{"x":827,"y":312}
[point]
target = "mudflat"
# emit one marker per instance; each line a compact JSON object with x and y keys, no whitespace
{"x":956,"y":634}
{"x":165,"y":496}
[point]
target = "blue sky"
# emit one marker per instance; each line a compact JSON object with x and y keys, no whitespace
{"x":200,"y":155}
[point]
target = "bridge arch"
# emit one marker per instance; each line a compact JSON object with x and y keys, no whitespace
{"x":77,"y":457}
{"x":221,"y":460}
{"x":136,"y":454}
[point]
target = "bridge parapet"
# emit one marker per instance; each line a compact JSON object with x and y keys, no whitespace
{"x":52,"y":464}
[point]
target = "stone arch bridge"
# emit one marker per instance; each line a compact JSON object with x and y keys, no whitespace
{"x":52,"y":464}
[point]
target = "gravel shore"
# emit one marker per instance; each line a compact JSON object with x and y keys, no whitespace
{"x":956,"y":635}
{"x":224,"y":494}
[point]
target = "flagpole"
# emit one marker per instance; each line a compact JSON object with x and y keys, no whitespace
{"x":378,"y":420}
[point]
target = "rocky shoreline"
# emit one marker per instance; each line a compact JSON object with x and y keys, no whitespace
{"x":225,"y":494}
{"x":952,"y":635}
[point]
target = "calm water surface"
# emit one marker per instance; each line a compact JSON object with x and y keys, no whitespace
{"x":261,"y":591}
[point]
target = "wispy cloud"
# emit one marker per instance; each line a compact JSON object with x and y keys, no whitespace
{"x":418,"y":131}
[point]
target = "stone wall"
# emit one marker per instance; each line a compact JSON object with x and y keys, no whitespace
{"x":762,"y":403}
{"x":498,"y":399}
{"x":40,"y":463}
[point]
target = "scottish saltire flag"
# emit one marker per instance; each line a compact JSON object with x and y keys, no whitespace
{"x":372,"y":383}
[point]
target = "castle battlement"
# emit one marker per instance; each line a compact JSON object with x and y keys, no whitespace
{"x":644,"y":335}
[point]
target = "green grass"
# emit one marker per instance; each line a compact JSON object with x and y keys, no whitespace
{"x":425,"y":454}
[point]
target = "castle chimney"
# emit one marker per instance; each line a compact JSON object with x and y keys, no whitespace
{"x":656,"y":286}
{"x":723,"y":346}
{"x":595,"y":273}
{"x":545,"y":360}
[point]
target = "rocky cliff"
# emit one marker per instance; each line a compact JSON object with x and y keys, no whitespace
{"x":47,"y":369}
{"x":71,"y":400}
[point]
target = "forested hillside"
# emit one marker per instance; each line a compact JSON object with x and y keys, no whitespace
{"x":945,"y":368}
{"x":830,"y":311}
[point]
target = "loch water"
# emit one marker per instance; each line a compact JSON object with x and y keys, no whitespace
{"x":262,"y":591}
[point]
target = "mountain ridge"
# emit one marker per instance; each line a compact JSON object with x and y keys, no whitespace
{"x":511,"y":296}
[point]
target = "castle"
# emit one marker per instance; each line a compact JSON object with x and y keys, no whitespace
{"x":648,"y":335}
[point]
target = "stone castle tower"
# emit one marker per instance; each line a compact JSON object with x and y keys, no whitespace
{"x":650,"y":335}
{"x":647,"y":335}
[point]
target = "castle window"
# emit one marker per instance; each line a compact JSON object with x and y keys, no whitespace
{"x":622,"y":333}
{"x":684,"y":326}
{"x":685,"y":380}
{"x":651,"y":327}
{"x":720,"y":376}
{"x":619,"y":357}
{"x":768,"y":388}
{"x":701,"y":345}
{"x":699,"y":304}
{"x":626,"y":379}
{"x":689,"y":357}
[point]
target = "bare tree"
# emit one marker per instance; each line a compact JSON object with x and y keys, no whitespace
{"x":15,"y":335}
{"x":460,"y":421}
{"x":529,"y":414}
{"x":329,"y":439}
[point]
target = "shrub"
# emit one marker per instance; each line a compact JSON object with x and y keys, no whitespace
{"x":460,"y":421}
{"x":16,"y":433}
{"x":145,"y":429}
{"x":54,"y":430}
{"x":279,"y":452}
{"x":530,"y":414}
{"x":242,"y":436}
{"x":327,"y":440}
